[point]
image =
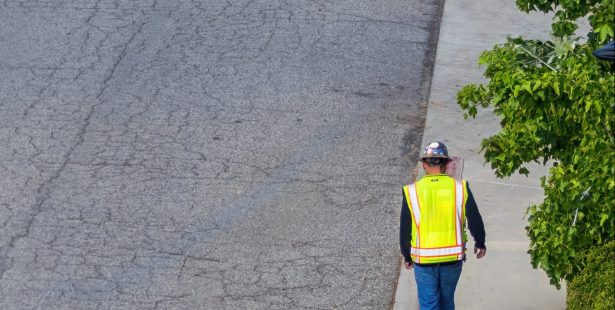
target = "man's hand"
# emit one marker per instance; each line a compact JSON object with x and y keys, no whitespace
{"x":481,"y":252}
{"x":408,"y":265}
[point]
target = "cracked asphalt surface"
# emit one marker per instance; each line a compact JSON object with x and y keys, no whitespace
{"x":207,"y":154}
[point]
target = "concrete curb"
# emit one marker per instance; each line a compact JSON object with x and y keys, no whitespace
{"x":504,"y":279}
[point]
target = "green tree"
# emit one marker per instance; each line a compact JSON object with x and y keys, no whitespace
{"x":555,"y":102}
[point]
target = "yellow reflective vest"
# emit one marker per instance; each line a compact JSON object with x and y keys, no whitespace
{"x":437,"y":205}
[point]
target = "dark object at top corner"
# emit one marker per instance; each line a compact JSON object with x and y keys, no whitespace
{"x":607,"y":52}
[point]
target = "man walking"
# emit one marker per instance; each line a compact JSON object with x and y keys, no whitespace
{"x":432,"y":229}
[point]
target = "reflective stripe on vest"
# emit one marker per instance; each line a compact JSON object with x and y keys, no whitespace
{"x":431,"y":250}
{"x":416,"y":211}
{"x":435,"y":252}
{"x":459,"y":207}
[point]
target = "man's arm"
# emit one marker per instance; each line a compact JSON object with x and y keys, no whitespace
{"x":475,"y":221}
{"x":405,"y":229}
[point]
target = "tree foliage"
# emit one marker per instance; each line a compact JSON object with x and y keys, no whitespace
{"x":567,"y":12}
{"x":555,"y":102}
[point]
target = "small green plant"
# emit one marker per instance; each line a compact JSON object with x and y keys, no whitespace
{"x":594,"y":286}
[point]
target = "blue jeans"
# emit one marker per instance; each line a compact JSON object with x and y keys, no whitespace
{"x":436,"y":285}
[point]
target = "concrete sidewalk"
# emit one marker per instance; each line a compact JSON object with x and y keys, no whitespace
{"x":504,"y":279}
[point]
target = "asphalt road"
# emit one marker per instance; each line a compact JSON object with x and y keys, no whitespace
{"x":207,"y":154}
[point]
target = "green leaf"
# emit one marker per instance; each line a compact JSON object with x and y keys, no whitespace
{"x":604,"y":31}
{"x":528,"y":87}
{"x":556,"y":88}
{"x":580,"y":216}
{"x":603,"y":218}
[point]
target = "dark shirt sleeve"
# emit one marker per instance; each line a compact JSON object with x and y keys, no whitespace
{"x":405,"y":229}
{"x":475,"y":221}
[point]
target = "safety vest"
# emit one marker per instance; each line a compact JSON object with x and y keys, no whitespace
{"x":437,"y":205}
